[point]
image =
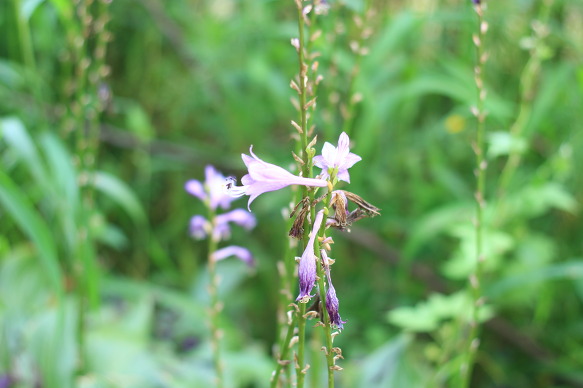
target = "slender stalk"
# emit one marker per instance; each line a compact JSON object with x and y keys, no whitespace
{"x":284,"y":348}
{"x":481,"y":165}
{"x":527,"y":87}
{"x":300,"y":369}
{"x":215,"y":304}
{"x":25,"y":40}
{"x":302,"y":94}
{"x":307,"y":172}
{"x":325,"y":317}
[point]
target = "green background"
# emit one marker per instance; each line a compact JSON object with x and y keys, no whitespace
{"x":106,"y":110}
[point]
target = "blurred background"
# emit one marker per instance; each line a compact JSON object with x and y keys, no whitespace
{"x":108,"y":107}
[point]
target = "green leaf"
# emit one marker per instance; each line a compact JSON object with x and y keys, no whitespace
{"x":571,"y":270}
{"x":534,"y":200}
{"x":121,"y":193}
{"x":426,"y":316}
{"x":15,"y":134}
{"x":17,"y":205}
{"x":62,"y":171}
{"x":432,"y":224}
{"x":28,"y":7}
{"x":64,"y":7}
{"x":495,"y":244}
{"x":503,"y":143}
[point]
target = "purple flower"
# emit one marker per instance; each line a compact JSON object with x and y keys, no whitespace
{"x":212,"y":190}
{"x":263,"y":177}
{"x":332,"y":303}
{"x":307,"y":267}
{"x":241,"y":217}
{"x":233,"y":250}
{"x":6,"y":381}
{"x":198,"y":227}
{"x":337,"y":158}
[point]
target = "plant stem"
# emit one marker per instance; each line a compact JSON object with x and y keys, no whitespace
{"x":284,"y":348}
{"x":306,"y":172}
{"x":527,"y":87}
{"x":300,"y":372}
{"x":325,"y":317}
{"x":303,"y":80}
{"x":215,"y":305}
{"x":27,"y":52}
{"x":481,"y":165}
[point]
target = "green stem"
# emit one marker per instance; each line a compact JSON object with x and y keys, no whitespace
{"x":527,"y":87}
{"x":215,"y":306}
{"x":481,"y":165}
{"x":24,"y":38}
{"x":284,"y":348}
{"x":301,"y":317}
{"x":326,"y":318}
{"x":306,"y":172}
{"x":303,"y":78}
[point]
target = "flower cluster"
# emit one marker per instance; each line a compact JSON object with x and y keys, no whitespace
{"x":334,"y":162}
{"x":218,"y":227}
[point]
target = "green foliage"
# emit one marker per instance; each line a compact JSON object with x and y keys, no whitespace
{"x":100,"y":284}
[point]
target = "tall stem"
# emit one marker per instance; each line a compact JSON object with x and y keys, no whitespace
{"x":284,"y":348}
{"x":215,"y":305}
{"x":475,"y":279}
{"x":307,"y":172}
{"x":528,"y":83}
{"x":325,"y":317}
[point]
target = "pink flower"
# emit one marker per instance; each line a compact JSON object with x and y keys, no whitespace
{"x":199,"y":227}
{"x":337,"y":158}
{"x":240,"y":217}
{"x":307,"y":267}
{"x":242,"y":253}
{"x":263,"y":177}
{"x":212,"y":189}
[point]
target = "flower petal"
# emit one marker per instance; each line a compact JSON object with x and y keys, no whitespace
{"x":329,"y":154}
{"x":215,"y":183}
{"x":198,"y":227}
{"x":343,"y":175}
{"x":337,"y":157}
{"x":263,"y":177}
{"x":350,"y":160}
{"x":238,"y":216}
{"x":195,"y":188}
{"x":319,"y":161}
{"x":233,"y":250}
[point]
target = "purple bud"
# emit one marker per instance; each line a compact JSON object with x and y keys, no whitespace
{"x":198,"y":227}
{"x":307,"y":267}
{"x":332,"y":303}
{"x":6,"y":381}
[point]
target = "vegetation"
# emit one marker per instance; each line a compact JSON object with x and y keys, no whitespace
{"x":107,"y":109}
